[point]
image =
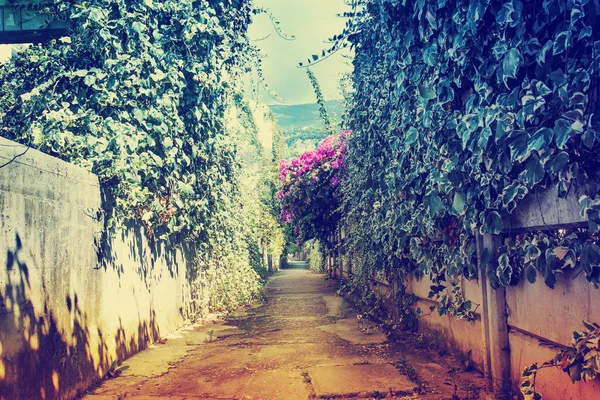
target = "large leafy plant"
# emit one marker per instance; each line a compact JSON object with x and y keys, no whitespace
{"x":547,"y":254}
{"x":137,"y":94}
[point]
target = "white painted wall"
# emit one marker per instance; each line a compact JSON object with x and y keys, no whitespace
{"x":73,"y":301}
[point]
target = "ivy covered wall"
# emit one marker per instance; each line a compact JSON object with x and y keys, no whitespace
{"x":461,"y":109}
{"x":143,"y":94}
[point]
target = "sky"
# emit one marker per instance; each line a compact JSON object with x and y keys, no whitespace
{"x":312,"y":22}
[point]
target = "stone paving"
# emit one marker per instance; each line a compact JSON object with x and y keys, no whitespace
{"x":303,"y":343}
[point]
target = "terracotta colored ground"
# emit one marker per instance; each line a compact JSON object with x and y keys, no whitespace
{"x":303,"y":343}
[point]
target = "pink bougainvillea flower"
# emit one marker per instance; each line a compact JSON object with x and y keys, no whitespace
{"x":311,"y":185}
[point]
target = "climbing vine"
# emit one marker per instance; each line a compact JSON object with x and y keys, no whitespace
{"x":546,"y":254}
{"x":354,"y":20}
{"x":315,"y":259}
{"x":139,"y":93}
{"x":461,"y":109}
{"x":329,"y":125}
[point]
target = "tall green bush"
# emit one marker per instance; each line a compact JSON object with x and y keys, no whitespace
{"x":137,"y":94}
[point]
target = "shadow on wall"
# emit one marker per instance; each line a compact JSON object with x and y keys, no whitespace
{"x":143,"y":247}
{"x":39,"y":359}
{"x":75,"y":297}
{"x":147,"y":255}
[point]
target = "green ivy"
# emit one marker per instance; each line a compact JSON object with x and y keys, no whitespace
{"x":315,"y":259}
{"x":329,"y":124}
{"x":140,"y":93}
{"x":137,"y":94}
{"x":461,"y":109}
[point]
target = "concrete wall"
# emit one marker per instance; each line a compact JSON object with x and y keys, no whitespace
{"x":521,"y":325}
{"x":465,"y":336}
{"x":72,"y":300}
{"x":540,"y":321}
{"x":539,"y":318}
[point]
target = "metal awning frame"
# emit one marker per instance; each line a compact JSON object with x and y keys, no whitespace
{"x":28,"y":35}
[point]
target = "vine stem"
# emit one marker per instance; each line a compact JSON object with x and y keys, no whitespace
{"x":15,"y":157}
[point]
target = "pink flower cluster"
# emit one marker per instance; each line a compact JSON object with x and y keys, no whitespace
{"x":314,"y":174}
{"x":332,"y":149}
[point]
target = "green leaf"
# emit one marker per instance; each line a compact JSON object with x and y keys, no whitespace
{"x":89,"y":80}
{"x":532,"y":253}
{"x":504,"y":271}
{"x":511,"y":64}
{"x":549,"y":277}
{"x":427,"y":93}
{"x":541,"y":57}
{"x":590,"y":326}
{"x":484,"y":136}
{"x":446,"y":95}
{"x":556,"y":163}
{"x":517,"y":142}
{"x":575,"y":372}
{"x":562,"y":131}
{"x":590,"y":257}
{"x":561,"y":43}
{"x":589,"y":138}
{"x":459,"y":203}
{"x":493,"y":223}
{"x":411,"y":136}
{"x":533,"y":172}
{"x":512,"y":192}
{"x":531,"y":273}
{"x":541,"y":139}
{"x":542,"y":89}
{"x":433,"y":203}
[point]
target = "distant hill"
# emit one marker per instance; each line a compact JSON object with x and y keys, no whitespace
{"x":302,"y":126}
{"x":304,"y":115}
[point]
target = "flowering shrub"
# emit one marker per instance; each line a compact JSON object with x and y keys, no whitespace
{"x":310,"y":196}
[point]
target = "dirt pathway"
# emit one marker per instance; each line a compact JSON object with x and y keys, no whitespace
{"x":304,"y":342}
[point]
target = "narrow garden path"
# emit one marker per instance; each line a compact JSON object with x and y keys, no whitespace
{"x":304,"y":342}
